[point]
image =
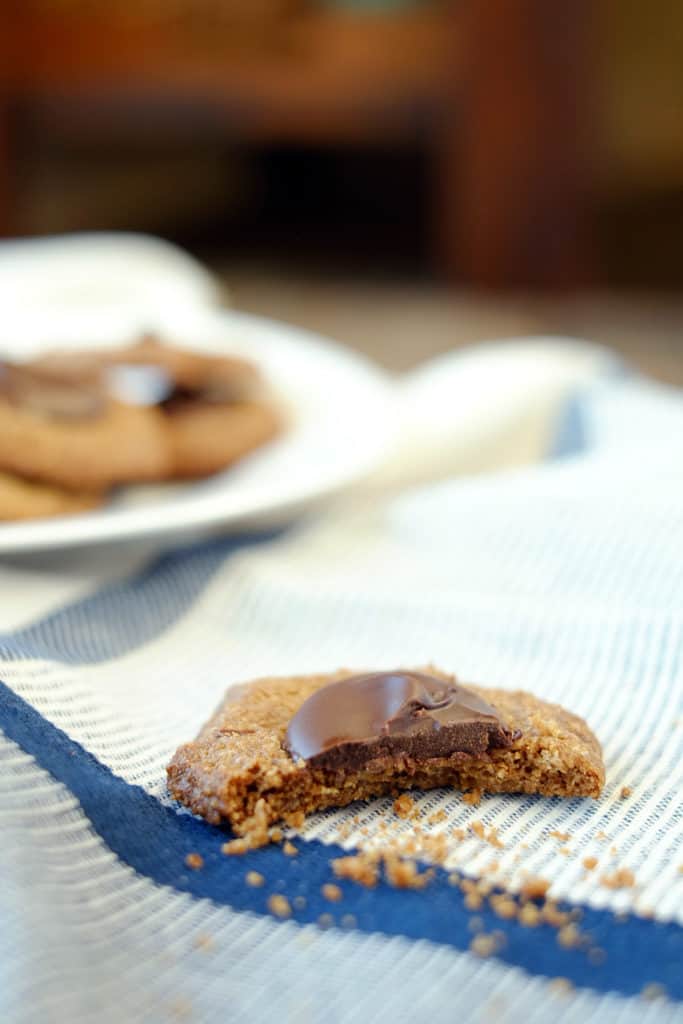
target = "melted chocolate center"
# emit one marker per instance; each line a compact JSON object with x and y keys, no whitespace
{"x":390,"y":714}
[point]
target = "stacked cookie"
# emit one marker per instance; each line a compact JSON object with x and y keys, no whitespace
{"x":75,"y":424}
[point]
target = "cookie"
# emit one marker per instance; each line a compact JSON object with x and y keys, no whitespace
{"x":69,"y":432}
{"x":279,"y":748}
{"x":214,"y":409}
{"x":30,"y":499}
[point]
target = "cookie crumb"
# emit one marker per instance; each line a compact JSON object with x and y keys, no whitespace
{"x":299,"y":902}
{"x":404,"y":805}
{"x":276,"y":835}
{"x":590,"y":863}
{"x":622,"y":878}
{"x":535,"y":888}
{"x":490,"y":836}
{"x":625,"y":792}
{"x":203,"y":941}
{"x":290,"y":849}
{"x":473,"y":797}
{"x":569,"y":936}
{"x":236,"y":847}
{"x":653,"y":991}
{"x":332,"y":892}
{"x":475,"y":924}
{"x":349,"y":921}
{"x":565,"y":851}
{"x":561,"y":986}
{"x":279,"y":905}
{"x":405,"y":874}
{"x":602,"y":837}
{"x":326,"y":920}
{"x":562,"y":836}
{"x":484,"y":945}
{"x":437,"y":817}
{"x":596,"y":956}
{"x":503,"y":906}
{"x":255,"y":879}
{"x":360,"y":867}
{"x":195,"y":861}
{"x":296,"y":819}
{"x":529,"y":915}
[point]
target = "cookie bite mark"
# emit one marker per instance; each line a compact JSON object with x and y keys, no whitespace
{"x":269,"y":755}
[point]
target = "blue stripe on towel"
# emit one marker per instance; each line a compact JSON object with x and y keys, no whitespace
{"x":131,"y":612}
{"x":154,"y":840}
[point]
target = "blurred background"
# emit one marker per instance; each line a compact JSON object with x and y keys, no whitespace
{"x":407,"y":176}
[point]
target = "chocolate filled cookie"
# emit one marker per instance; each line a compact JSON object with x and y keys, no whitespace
{"x":66,"y":430}
{"x":277,"y":748}
{"x":214,"y":408}
{"x":32,"y":499}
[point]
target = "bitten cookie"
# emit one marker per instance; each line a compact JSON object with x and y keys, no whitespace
{"x":31,"y":499}
{"x":278,"y":747}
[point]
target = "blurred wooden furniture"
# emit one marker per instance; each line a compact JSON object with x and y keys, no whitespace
{"x":494,"y":89}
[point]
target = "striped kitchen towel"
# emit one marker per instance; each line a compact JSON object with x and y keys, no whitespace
{"x":565,"y":578}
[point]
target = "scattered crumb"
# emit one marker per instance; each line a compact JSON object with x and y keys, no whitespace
{"x":279,"y":905}
{"x":195,"y":861}
{"x":680,"y":869}
{"x":299,"y":902}
{"x":326,"y":920}
{"x":562,"y":836}
{"x":405,"y":874}
{"x":625,"y":792}
{"x":590,"y":863}
{"x":653,"y":991}
{"x":475,"y":924}
{"x":332,"y":892}
{"x":296,"y":819}
{"x":437,"y":817}
{"x":565,"y":851}
{"x":361,"y":867}
{"x":473,"y":900}
{"x":473,"y":798}
{"x":203,"y":941}
{"x":561,"y":986}
{"x":458,"y":833}
{"x":569,"y":936}
{"x":290,"y":849}
{"x":601,"y":837}
{"x":622,"y":878}
{"x":349,"y":921}
{"x":276,"y":835}
{"x":503,"y":906}
{"x":490,"y":836}
{"x":596,"y":956}
{"x":255,"y":879}
{"x":529,"y":915}
{"x":535,"y":888}
{"x":485,"y":945}
{"x":404,"y":805}
{"x":553,"y":916}
{"x":454,"y":878}
{"x":613,"y":851}
{"x":525,"y":846}
{"x":235,"y":847}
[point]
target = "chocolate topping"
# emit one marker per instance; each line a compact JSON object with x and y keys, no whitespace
{"x":345,"y":725}
{"x":49,"y":393}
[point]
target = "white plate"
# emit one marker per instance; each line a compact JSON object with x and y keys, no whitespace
{"x":341,"y":426}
